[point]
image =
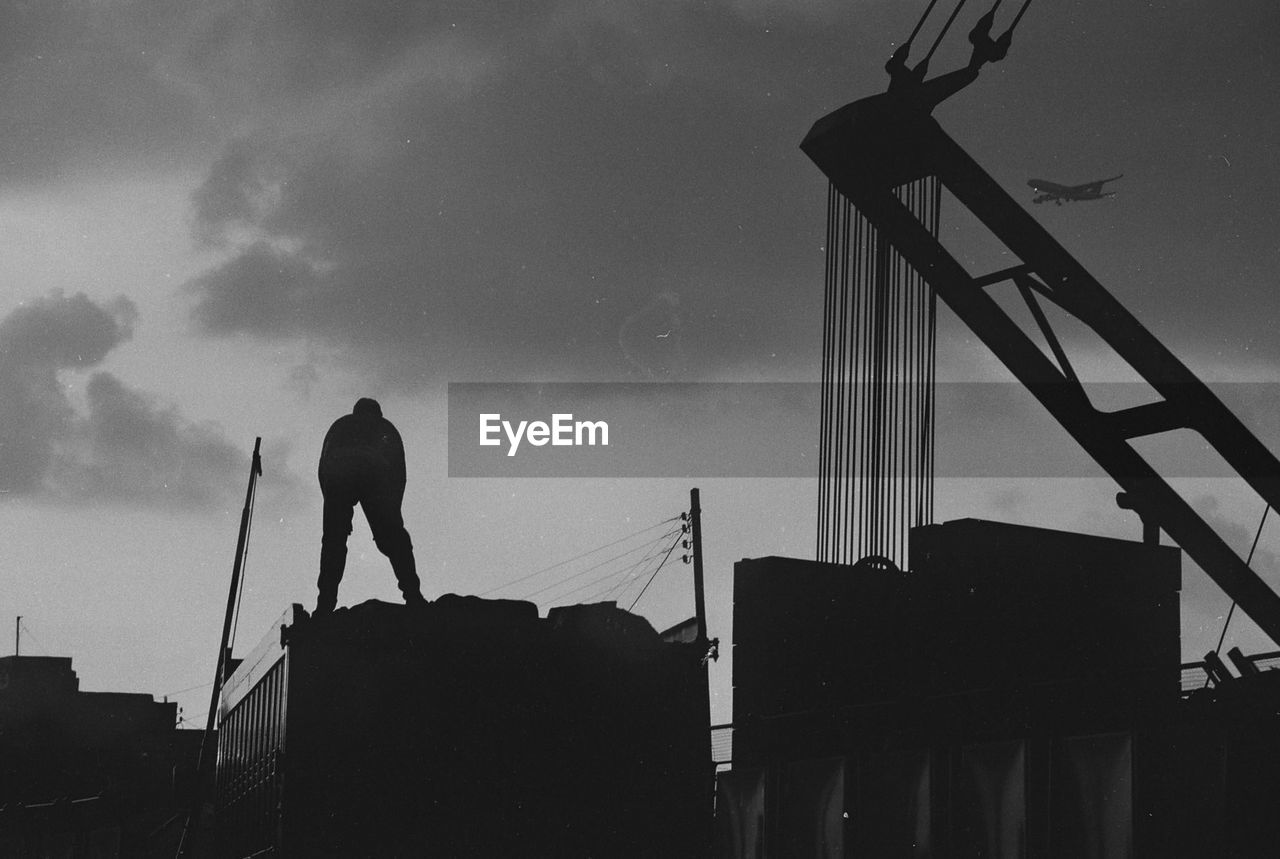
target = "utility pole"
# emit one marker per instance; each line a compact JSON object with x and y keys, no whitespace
{"x":17,"y":635}
{"x":699,"y":597}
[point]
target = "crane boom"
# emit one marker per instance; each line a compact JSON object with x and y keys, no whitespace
{"x":872,"y":146}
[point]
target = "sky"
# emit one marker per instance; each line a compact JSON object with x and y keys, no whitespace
{"x":225,"y":220}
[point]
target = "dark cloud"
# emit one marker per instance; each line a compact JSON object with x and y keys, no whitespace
{"x":82,"y":90}
{"x":263,"y":291}
{"x":495,"y":189}
{"x":532,"y":211}
{"x":448,"y":192}
{"x":125,"y":447}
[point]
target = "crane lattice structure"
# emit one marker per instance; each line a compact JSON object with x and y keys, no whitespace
{"x":873,"y":148}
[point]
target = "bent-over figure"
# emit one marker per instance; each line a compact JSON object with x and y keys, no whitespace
{"x":362,"y":462}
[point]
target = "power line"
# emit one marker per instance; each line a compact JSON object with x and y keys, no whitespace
{"x":584,"y":587}
{"x":186,"y":719}
{"x":597,"y":566}
{"x":578,"y":557}
{"x":615,"y":591}
{"x":1248,"y":561}
{"x":188,"y":689}
{"x":22,"y":624}
{"x":670,"y":549}
{"x":622,"y":572}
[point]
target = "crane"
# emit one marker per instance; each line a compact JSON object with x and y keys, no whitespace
{"x":872,"y":146}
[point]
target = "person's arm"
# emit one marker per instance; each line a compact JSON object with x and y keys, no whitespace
{"x":395,"y":453}
{"x":324,"y":449}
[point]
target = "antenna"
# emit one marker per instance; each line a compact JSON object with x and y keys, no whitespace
{"x":220,"y":673}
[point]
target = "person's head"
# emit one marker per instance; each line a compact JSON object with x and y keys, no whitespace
{"x":368,"y":407}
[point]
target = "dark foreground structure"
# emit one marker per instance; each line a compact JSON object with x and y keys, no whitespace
{"x":465,"y":727}
{"x":87,"y":774}
{"x":1015,"y":694}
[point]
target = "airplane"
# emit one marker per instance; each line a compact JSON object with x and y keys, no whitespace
{"x":1068,"y":193}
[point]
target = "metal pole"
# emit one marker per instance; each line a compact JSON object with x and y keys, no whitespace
{"x":197,"y":798}
{"x":17,"y":636}
{"x":699,"y":597}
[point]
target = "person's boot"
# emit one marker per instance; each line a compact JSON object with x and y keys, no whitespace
{"x":406,"y":571}
{"x":325,"y":604}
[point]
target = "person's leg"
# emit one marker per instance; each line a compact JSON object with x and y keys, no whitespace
{"x":382,"y":509}
{"x":339,"y":508}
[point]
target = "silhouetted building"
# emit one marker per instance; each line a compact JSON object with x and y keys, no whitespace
{"x":465,"y":727}
{"x":85,"y":773}
{"x":1014,"y":694}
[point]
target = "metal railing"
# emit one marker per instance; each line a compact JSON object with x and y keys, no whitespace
{"x":1196,"y":676}
{"x":722,"y":746}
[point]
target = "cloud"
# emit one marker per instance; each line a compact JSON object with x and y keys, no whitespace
{"x":498,"y":196}
{"x":81,"y":89}
{"x":125,"y":447}
{"x":493,"y":190}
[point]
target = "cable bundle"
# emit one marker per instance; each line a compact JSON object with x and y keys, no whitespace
{"x":879,"y":362}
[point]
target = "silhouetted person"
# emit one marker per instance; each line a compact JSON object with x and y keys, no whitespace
{"x":362,"y":462}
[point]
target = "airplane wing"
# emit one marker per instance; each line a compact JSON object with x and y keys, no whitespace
{"x":1094,"y":189}
{"x":1052,"y":191}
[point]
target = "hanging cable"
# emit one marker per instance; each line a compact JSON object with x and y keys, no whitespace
{"x":188,"y":689}
{"x":876,"y":426}
{"x":623,"y":572}
{"x":614,"y":591}
{"x":1016,"y":18}
{"x":598,"y":565}
{"x":824,"y":414}
{"x":579,"y":557}
{"x":593,"y":582}
{"x":924,"y":64}
{"x":1256,"y":537}
{"x":920,"y":23}
{"x":22,"y":624}
{"x":670,"y":549}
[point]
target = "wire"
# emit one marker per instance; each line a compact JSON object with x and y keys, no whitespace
{"x":1018,"y":17}
{"x":22,"y":624}
{"x":609,"y":593}
{"x":655,"y":574}
{"x":622,"y":587}
{"x":562,"y":596}
{"x":945,"y":28}
{"x":622,"y":572}
{"x":578,"y":557}
{"x":196,"y":717}
{"x":1247,"y":562}
{"x":920,"y":23}
{"x":581,"y":573}
{"x":615,"y":591}
{"x":188,"y":689}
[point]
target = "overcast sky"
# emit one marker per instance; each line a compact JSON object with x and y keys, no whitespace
{"x":224,"y":219}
